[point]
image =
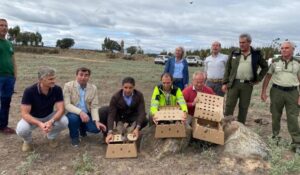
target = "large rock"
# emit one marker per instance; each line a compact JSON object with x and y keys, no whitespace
{"x":242,"y":142}
{"x":160,"y":148}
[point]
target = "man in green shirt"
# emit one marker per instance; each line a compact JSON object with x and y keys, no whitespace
{"x":241,"y":74}
{"x":7,"y":77}
{"x":284,"y":73}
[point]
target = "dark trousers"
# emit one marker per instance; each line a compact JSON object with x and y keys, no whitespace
{"x":289,"y":100}
{"x":76,"y":124}
{"x":103,"y":114}
{"x":242,"y":92}
{"x":216,"y":87}
{"x":6,"y":91}
{"x":178,"y":82}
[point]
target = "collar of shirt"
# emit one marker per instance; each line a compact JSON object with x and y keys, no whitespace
{"x":128,"y":99}
{"x":80,"y":87}
{"x":194,"y":89}
{"x":39,"y":89}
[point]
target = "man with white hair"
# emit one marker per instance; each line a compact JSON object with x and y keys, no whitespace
{"x":284,"y":73}
{"x":37,"y":106}
{"x":215,"y":67}
{"x":190,"y":93}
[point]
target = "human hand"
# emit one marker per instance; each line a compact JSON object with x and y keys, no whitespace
{"x":109,"y":138}
{"x":154,"y":120}
{"x":224,"y":88}
{"x":100,"y":126}
{"x":184,"y":117}
{"x":264,"y":97}
{"x":43,"y":127}
{"x":84,"y":117}
{"x":136,"y":133}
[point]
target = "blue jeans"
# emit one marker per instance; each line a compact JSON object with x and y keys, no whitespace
{"x":75,"y":123}
{"x":7,"y":85}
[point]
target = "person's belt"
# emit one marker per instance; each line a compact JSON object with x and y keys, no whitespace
{"x":215,"y":80}
{"x":242,"y":81}
{"x":291,"y":88}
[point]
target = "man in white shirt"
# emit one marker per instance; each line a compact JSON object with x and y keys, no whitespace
{"x":215,"y":67}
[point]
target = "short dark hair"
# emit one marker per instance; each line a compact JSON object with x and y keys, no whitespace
{"x":2,"y":19}
{"x":128,"y":80}
{"x":83,"y":69}
{"x":166,"y":74}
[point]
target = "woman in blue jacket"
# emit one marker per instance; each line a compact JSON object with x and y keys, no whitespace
{"x":178,"y":68}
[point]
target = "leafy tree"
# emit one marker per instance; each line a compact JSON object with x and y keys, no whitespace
{"x":110,"y":45}
{"x":132,"y":50}
{"x":13,"y":33}
{"x":122,"y":46}
{"x":164,"y":52}
{"x":65,"y":43}
{"x":38,"y":38}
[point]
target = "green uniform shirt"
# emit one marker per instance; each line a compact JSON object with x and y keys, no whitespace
{"x":285,"y":73}
{"x":160,"y":98}
{"x":6,"y":61}
{"x":244,"y":71}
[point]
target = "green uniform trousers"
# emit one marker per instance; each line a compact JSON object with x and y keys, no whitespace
{"x":241,"y":91}
{"x":289,"y":100}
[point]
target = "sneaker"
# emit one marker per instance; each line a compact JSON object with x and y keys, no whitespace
{"x":26,"y":147}
{"x":7,"y":130}
{"x":75,"y":142}
{"x":53,"y":143}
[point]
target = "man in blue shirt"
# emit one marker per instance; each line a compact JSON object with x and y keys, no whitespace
{"x":37,"y":110}
{"x":81,"y":101}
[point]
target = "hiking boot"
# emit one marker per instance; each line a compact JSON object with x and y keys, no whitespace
{"x":297,"y":150}
{"x":53,"y":143}
{"x":7,"y":130}
{"x":75,"y":142}
{"x":276,"y":139}
{"x":26,"y":147}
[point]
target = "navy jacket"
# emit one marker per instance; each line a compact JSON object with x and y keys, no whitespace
{"x":170,"y":66}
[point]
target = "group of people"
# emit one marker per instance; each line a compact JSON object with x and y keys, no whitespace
{"x":77,"y":107}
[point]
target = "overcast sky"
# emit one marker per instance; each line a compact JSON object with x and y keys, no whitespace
{"x":156,"y":25}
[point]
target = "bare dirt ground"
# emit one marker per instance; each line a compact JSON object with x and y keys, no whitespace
{"x":90,"y":157}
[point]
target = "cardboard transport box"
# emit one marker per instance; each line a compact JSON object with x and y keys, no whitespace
{"x":169,"y":122}
{"x":120,"y":147}
{"x":207,"y":118}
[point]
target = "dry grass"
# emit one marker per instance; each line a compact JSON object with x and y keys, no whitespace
{"x":107,"y":75}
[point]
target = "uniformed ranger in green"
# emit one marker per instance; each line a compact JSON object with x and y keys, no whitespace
{"x":167,"y":94}
{"x":284,"y":73}
{"x":241,"y":75}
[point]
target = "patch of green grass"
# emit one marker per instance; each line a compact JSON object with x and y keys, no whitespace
{"x":83,"y":164}
{"x":24,"y":168}
{"x":279,"y":164}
